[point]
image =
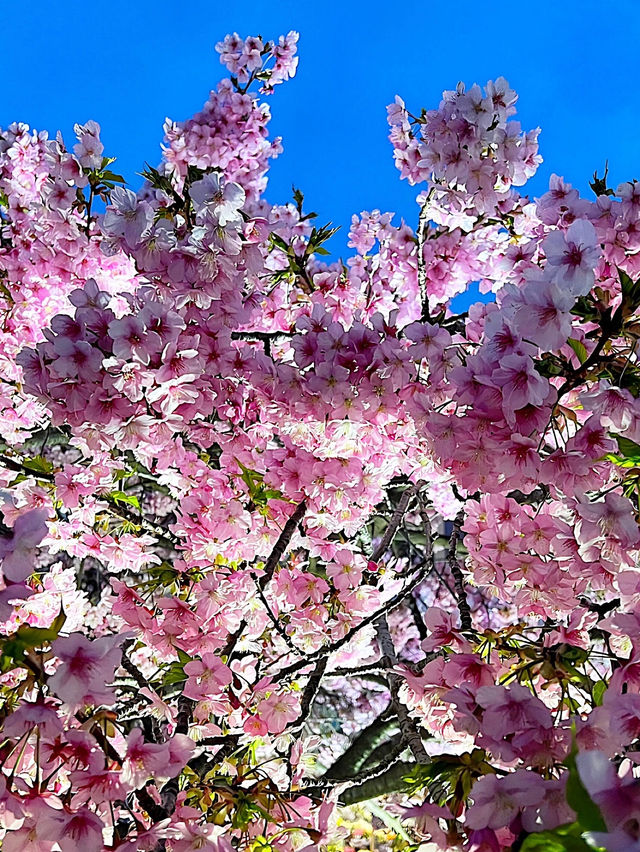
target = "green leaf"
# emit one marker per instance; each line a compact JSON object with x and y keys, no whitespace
{"x":160,"y":181}
{"x":319,"y":236}
{"x":6,"y":293}
{"x":549,"y":366}
{"x":59,"y":622}
{"x":598,"y":691}
{"x":586,"y":309}
{"x":599,"y":184}
{"x":38,"y":464}
{"x":566,"y":838}
{"x":14,"y":647}
{"x":34,"y":637}
{"x":579,"y":348}
{"x":298,"y":198}
{"x":279,"y":242}
{"x":111,"y":177}
{"x":627,"y":283}
{"x":7,"y":662}
{"x":574,"y":655}
{"x":629,"y":449}
{"x":195,"y":173}
{"x":630,"y":291}
{"x":123,"y":497}
{"x":174,"y":674}
{"x":259,"y":493}
{"x":543,"y":841}
{"x":183,"y":657}
{"x":622,"y":462}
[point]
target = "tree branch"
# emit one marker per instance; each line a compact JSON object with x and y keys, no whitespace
{"x":369,"y":619}
{"x":458,"y":577}
{"x":129,"y":667}
{"x":275,"y":620}
{"x":408,"y":728}
{"x":20,"y":467}
{"x":308,"y":696}
{"x":159,"y":532}
{"x":423,"y":221}
{"x":610,"y":326}
{"x":390,"y":780}
{"x":269,"y":567}
{"x":395,"y":521}
{"x":281,"y":544}
{"x":386,"y":753}
{"x":354,"y":757}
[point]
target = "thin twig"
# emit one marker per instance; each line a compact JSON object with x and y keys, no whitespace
{"x":275,"y":620}
{"x":20,"y":467}
{"x":166,"y":536}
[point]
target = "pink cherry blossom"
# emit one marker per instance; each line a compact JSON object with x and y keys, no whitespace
{"x":18,"y":553}
{"x":86,"y":670}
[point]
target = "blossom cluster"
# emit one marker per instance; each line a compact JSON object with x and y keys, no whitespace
{"x":282,"y":533}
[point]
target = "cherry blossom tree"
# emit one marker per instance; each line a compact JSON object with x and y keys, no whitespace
{"x":282,"y":534}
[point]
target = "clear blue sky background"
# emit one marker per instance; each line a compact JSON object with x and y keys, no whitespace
{"x":129,"y":63}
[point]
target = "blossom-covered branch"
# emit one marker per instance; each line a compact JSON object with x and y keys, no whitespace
{"x":283,"y":532}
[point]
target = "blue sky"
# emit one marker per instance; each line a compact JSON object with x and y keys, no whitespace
{"x":129,"y":64}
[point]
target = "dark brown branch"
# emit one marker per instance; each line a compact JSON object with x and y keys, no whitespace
{"x":282,"y":543}
{"x":232,"y":641}
{"x":389,"y":780}
{"x":354,"y":757}
{"x":223,"y":739}
{"x":611,"y":325}
{"x":308,"y":696}
{"x":129,"y":667}
{"x":166,"y":536}
{"x":260,"y":335}
{"x":19,"y":467}
{"x":264,"y":337}
{"x":269,"y":567}
{"x":423,"y":221}
{"x":169,"y":792}
{"x":391,"y":604}
{"x":408,"y":728}
{"x":395,"y":521}
{"x":458,"y":578}
{"x":186,"y":707}
{"x":275,"y":620}
{"x":156,"y":812}
{"x":421,"y":627}
{"x":386,"y":777}
{"x":386,"y":753}
{"x":356,"y":671}
{"x":163,"y":535}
